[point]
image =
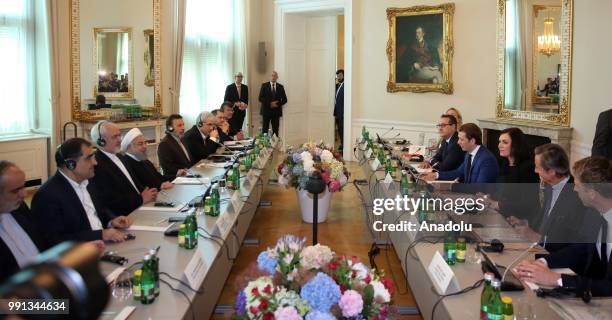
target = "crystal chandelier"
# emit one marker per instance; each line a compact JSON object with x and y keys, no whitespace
{"x":549,"y":43}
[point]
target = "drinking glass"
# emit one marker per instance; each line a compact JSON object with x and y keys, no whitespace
{"x":122,"y":287}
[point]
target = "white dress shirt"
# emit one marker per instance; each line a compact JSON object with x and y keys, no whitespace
{"x":17,"y":240}
{"x":85,"y":197}
{"x":182,"y":146}
{"x":121,"y":167}
{"x":608,"y":217}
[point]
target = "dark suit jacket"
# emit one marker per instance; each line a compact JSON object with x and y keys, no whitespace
{"x":60,"y":214}
{"x":198,"y":148}
{"x":225,"y":137}
{"x":23,"y":216}
{"x":592,"y":273}
{"x":517,"y":190}
{"x":266,"y":97}
{"x":114,"y":188}
{"x":145,"y":172}
{"x":569,"y":221}
{"x":602,"y":142}
{"x":483,"y":173}
{"x":171,"y":156}
{"x":339,"y":102}
{"x":231,"y":95}
{"x":449,"y":155}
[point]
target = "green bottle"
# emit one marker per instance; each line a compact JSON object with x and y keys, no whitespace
{"x":147,"y":281}
{"x":461,"y":249}
{"x":495,"y":308}
{"x":405,"y":184}
{"x":136,"y":292}
{"x":191,"y":232}
{"x":485,"y":295}
{"x":208,"y":208}
{"x":181,"y":235}
{"x":155,"y":267}
{"x":216,"y":200}
{"x":236,"y":177}
{"x":450,"y":248}
{"x":508,"y":309}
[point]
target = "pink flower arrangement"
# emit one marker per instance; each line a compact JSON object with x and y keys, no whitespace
{"x":351,"y":303}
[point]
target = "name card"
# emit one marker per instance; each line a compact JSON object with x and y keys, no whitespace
{"x":368,"y":153}
{"x":442,"y":275}
{"x":388,"y":179}
{"x":375,"y":164}
{"x":195,"y":270}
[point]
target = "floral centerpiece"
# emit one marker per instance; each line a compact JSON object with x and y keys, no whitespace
{"x":302,"y":162}
{"x":313,"y":283}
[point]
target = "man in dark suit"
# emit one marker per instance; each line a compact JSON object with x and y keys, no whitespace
{"x":238,"y":96}
{"x":67,"y":206}
{"x":339,"y":106}
{"x":450,"y":155}
{"x":589,"y":260}
{"x":602,"y":142}
{"x":202,"y":139}
{"x":174,"y":158}
{"x":272,"y":97}
{"x":223,"y":127}
{"x":134,"y":146}
{"x":118,"y":187}
{"x":479,"y":166}
{"x":20,"y":239}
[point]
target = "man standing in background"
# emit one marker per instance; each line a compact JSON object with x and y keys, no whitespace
{"x":339,"y":106}
{"x":272,"y":97}
{"x":238,"y":94}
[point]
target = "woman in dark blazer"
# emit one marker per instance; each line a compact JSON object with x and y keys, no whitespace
{"x":518,"y":185}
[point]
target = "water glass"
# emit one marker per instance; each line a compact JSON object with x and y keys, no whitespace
{"x":122,"y":287}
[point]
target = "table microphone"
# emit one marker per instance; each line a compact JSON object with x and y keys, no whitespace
{"x":387,"y":132}
{"x":511,"y":265}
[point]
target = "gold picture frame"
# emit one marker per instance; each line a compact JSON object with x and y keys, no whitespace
{"x":79,"y":114}
{"x":561,"y":119}
{"x":413,"y":64}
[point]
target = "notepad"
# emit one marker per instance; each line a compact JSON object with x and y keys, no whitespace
{"x":184,"y":180}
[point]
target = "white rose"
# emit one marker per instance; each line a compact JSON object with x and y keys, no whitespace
{"x":380,"y":292}
{"x":306,"y":156}
{"x":282,"y":180}
{"x":361,"y":269}
{"x":309,"y":165}
{"x":343,"y":180}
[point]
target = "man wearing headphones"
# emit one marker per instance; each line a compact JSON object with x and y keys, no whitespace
{"x":67,"y":206}
{"x":202,"y":139}
{"x":118,"y":188}
{"x":174,"y":158}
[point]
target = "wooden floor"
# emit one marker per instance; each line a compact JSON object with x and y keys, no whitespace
{"x":344,"y":232}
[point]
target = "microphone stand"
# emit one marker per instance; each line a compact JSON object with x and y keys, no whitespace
{"x":315,"y":186}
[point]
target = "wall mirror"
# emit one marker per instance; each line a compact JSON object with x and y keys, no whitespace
{"x":534,"y":56}
{"x":115,"y":46}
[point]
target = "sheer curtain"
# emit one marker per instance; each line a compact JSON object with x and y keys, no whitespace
{"x":213,"y":52}
{"x":515,"y":56}
{"x":24,"y":61}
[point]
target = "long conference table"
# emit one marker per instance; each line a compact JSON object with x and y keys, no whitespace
{"x":237,"y":211}
{"x":415,"y":262}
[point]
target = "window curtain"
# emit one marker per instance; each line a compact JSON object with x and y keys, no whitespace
{"x":25,"y":93}
{"x":515,"y":56}
{"x":179,"y":41}
{"x":214,"y":50}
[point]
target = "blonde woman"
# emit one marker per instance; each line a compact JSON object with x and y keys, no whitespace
{"x":455,"y":113}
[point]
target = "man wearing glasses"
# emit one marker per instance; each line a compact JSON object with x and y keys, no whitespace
{"x":449,"y":155}
{"x":202,"y":139}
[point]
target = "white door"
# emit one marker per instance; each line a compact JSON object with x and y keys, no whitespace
{"x":321,"y":63}
{"x":310,"y":59}
{"x":293,"y":122}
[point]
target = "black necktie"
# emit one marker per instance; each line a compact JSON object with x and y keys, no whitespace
{"x":604,"y":239}
{"x":469,"y":168}
{"x":274,"y":89}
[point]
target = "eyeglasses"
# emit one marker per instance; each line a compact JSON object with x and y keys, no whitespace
{"x":442,"y":125}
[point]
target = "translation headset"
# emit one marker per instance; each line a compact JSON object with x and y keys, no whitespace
{"x":69,"y":163}
{"x":200,"y":123}
{"x":169,"y":127}
{"x":101,"y":141}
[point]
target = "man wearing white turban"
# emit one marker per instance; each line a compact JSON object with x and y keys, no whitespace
{"x":135,"y":148}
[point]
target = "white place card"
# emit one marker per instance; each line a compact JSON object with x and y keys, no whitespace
{"x":147,"y":228}
{"x":195,"y":270}
{"x":375,"y":164}
{"x":125,"y":313}
{"x":113,"y":275}
{"x":388,"y":179}
{"x":368,"y":153}
{"x":442,"y":275}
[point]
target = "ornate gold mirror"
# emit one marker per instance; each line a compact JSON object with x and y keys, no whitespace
{"x":534,"y":61}
{"x":115,"y":52}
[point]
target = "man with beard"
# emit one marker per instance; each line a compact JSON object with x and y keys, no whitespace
{"x":134,"y":146}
